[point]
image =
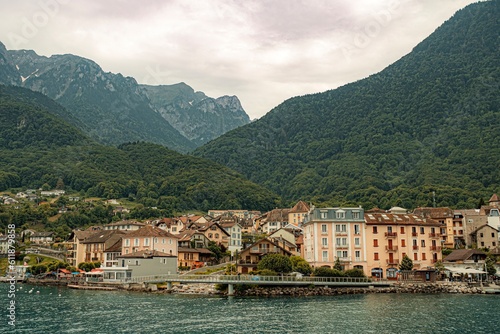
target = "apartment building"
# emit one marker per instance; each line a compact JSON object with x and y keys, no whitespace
{"x":389,"y":237}
{"x":335,"y":233}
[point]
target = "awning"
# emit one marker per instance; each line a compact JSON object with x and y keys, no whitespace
{"x":65,"y":271}
{"x":465,"y":270}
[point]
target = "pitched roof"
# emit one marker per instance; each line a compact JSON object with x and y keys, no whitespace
{"x":81,"y":235}
{"x":462,"y":254}
{"x":434,"y":213}
{"x":126,"y":222}
{"x":494,"y":198}
{"x":278,"y":215}
{"x":116,"y":247}
{"x":194,"y":250}
{"x":268,"y":240}
{"x":150,"y":231}
{"x":301,"y":206}
{"x":42,"y":234}
{"x":103,"y":236}
{"x":372,"y":218}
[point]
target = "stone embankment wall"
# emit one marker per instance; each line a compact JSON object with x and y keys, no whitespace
{"x":326,"y":291}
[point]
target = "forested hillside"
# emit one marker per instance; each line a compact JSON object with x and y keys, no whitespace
{"x":426,"y":124}
{"x":37,"y":147}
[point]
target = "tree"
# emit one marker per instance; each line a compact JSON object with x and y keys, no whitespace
{"x":338,"y":266}
{"x":300,"y":265}
{"x":406,"y":263}
{"x":276,"y":262}
{"x":218,"y":251}
{"x":490,"y":264}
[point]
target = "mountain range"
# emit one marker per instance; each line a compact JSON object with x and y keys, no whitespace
{"x":422,"y":132}
{"x":38,"y":147}
{"x":115,"y":109}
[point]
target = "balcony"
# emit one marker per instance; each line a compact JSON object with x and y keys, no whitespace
{"x":344,"y":233}
{"x":391,"y":248}
{"x":414,"y":234}
{"x":435,"y":248}
{"x":415,"y":247}
{"x":391,"y":234}
{"x":342,"y":246}
{"x":393,"y":262}
{"x":263,"y":250}
{"x":433,"y":235}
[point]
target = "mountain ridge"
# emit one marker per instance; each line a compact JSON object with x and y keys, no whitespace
{"x":110,"y":107}
{"x":392,"y":138}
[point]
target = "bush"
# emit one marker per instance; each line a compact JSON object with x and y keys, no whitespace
{"x":327,"y":272}
{"x":354,"y":273}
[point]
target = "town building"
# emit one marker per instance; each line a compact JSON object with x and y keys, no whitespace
{"x":298,"y":214}
{"x":332,"y":234}
{"x":485,"y":236}
{"x":124,"y":225}
{"x":389,"y":237}
{"x":98,"y":243}
{"x":41,"y":238}
{"x":150,"y":238}
{"x":445,"y":216}
{"x":251,"y":256}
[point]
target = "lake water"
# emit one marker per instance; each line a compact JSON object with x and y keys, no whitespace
{"x":62,"y":310}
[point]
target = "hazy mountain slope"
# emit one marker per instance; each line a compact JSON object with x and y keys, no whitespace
{"x":196,"y":116}
{"x":426,"y":123}
{"x":111,"y":106}
{"x":37,"y":147}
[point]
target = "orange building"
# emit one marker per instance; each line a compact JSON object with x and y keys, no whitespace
{"x":389,"y":237}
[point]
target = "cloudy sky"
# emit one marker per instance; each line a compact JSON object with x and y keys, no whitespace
{"x":263,"y":51}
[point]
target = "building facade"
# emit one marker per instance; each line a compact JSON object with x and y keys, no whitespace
{"x":389,"y":237}
{"x":332,"y":234}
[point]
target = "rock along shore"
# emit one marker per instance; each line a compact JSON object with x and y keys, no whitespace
{"x":433,"y":288}
{"x":210,"y":289}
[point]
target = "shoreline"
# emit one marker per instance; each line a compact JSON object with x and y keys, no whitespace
{"x":261,"y":291}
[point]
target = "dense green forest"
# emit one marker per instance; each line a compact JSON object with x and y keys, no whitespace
{"x":37,"y":148}
{"x":425,"y":125}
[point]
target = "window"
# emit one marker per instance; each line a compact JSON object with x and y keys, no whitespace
{"x":492,"y":235}
{"x":217,"y":235}
{"x":127,"y":242}
{"x":356,"y":241}
{"x":422,"y":230}
{"x":375,"y":230}
{"x":415,"y":242}
{"x":340,"y":214}
{"x":324,"y":228}
{"x":422,"y":243}
{"x":356,"y":229}
{"x":433,"y":230}
{"x":415,"y":256}
{"x":146,"y":241}
{"x":402,"y":230}
{"x":324,"y":242}
{"x":389,"y":229}
{"x":481,"y":235}
{"x":136,"y":242}
{"x":155,"y":240}
{"x":355,"y":215}
{"x":210,"y":235}
{"x":170,"y":241}
{"x":375,"y":242}
{"x":344,"y":254}
{"x":413,"y":230}
{"x":357,"y":254}
{"x":339,"y":254}
{"x":482,"y":243}
{"x":174,"y":229}
{"x":423,"y":256}
{"x":344,"y":241}
{"x":325,"y":255}
{"x":493,"y":243}
{"x":375,"y":256}
{"x":337,"y":241}
{"x":403,"y":243}
{"x":324,"y":215}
